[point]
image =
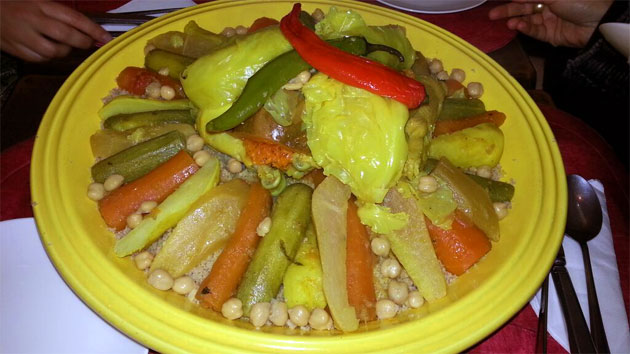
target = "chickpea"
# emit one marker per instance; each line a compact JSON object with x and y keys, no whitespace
{"x":164,"y":71}
{"x":147,"y":206}
{"x":167,"y":92}
{"x":228,"y":32}
{"x":153,"y":90}
{"x":435,"y":66}
{"x":442,"y":75}
{"x":415,"y":300}
{"x":474,"y":89}
{"x":240,"y":30}
{"x":397,"y":292}
{"x":259,"y":314}
{"x":390,"y":268}
{"x":501,"y":209}
{"x":292,"y":86}
{"x":264,"y":227}
{"x":428,"y":184}
{"x":134,"y":220}
{"x":183,"y":285}
{"x":143,"y":260}
{"x":299,"y":315}
{"x":96,"y":191}
{"x":458,"y":74}
{"x":304,"y":76}
{"x":386,"y":309}
{"x":201,"y":157}
{"x":380,"y":246}
{"x":112,"y":182}
{"x":232,"y":309}
{"x":160,"y":279}
{"x":234,"y":166}
{"x":279,"y":313}
{"x":319,"y":319}
{"x":194,"y":143}
{"x":484,"y":171}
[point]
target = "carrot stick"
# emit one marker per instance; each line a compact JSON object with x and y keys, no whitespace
{"x":359,"y":264}
{"x":460,"y":247}
{"x":154,"y":186}
{"x":449,"y":126}
{"x":228,"y":269}
{"x":260,"y":23}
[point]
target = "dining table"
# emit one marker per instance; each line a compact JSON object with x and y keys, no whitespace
{"x":583,"y":150}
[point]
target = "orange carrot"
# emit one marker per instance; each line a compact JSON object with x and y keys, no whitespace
{"x":359,"y":264}
{"x":450,"y":126}
{"x":267,"y":152}
{"x":228,"y":269}
{"x":260,"y":23}
{"x":154,"y":186}
{"x":460,"y":247}
{"x":452,"y":86}
{"x":135,"y":80}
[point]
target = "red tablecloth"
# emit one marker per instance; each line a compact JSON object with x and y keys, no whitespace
{"x":583,"y":151}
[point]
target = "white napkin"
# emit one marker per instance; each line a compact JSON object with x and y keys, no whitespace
{"x":144,"y":5}
{"x":38,"y":311}
{"x":606,"y":275}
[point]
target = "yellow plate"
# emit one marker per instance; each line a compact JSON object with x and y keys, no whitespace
{"x":80,"y":245}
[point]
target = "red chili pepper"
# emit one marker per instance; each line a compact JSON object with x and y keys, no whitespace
{"x":350,"y":69}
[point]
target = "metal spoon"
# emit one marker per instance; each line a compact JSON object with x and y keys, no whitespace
{"x":584,"y":221}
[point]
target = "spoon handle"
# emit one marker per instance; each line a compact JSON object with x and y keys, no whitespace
{"x":580,"y":340}
{"x":541,"y":332}
{"x":597,"y":326}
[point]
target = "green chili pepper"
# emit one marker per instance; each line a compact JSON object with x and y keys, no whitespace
{"x":266,"y":81}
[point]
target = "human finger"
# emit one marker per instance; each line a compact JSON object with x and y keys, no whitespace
{"x":512,"y":9}
{"x":77,"y":20}
{"x":21,"y":51}
{"x":529,"y":26}
{"x":44,"y":46}
{"x":63,"y":33}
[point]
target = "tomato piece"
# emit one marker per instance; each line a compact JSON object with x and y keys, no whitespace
{"x":135,"y":80}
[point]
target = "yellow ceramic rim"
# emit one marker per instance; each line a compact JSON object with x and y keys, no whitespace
{"x":170,"y":329}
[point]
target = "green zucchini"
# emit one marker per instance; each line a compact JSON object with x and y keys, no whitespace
{"x":457,"y":108}
{"x":124,"y":122}
{"x":138,"y":160}
{"x":498,"y":191}
{"x":132,"y":104}
{"x":289,"y":220}
{"x":176,"y":63}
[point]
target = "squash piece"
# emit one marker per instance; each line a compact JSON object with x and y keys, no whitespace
{"x":413,"y":248}
{"x":471,"y":198}
{"x":204,"y":230}
{"x":330,"y":204}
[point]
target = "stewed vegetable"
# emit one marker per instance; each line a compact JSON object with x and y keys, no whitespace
{"x":313,"y":172}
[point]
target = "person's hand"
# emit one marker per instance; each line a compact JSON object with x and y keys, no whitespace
{"x":41,"y":30}
{"x":561,"y":22}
